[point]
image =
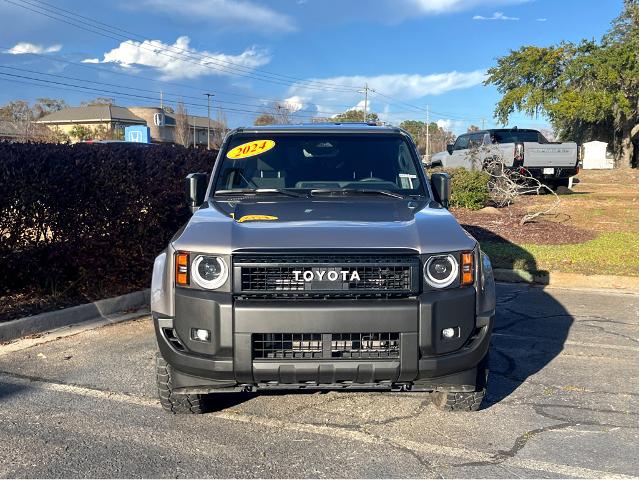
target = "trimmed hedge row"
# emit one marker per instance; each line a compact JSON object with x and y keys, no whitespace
{"x":89,"y":219}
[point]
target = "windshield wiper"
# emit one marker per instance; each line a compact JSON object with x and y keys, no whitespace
{"x":356,"y":191}
{"x":259,"y":191}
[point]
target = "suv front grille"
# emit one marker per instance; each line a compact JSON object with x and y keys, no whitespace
{"x":300,"y":276}
{"x":317,"y":346}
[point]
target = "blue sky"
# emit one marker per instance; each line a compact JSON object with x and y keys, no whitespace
{"x":309,"y":56}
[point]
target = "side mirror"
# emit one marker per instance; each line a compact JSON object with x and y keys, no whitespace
{"x":449,"y":148}
{"x":195,"y":190}
{"x":441,"y":188}
{"x":434,"y":164}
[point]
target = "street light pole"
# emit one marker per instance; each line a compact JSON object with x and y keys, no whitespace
{"x":208,"y":114}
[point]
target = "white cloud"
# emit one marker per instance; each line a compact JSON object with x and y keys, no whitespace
{"x":496,"y":16}
{"x":26,"y":47}
{"x":401,"y":87}
{"x":542,"y":19}
{"x":248,"y":15}
{"x":434,"y":7}
{"x":455,"y":126}
{"x":293,"y":104}
{"x":179,"y":60}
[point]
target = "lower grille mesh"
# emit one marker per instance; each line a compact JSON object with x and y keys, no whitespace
{"x":317,"y":346}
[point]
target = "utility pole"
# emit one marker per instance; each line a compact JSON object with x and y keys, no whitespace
{"x":161,"y":100}
{"x":365,"y":92}
{"x":427,"y":134}
{"x":483,"y":124}
{"x":208,"y":114}
{"x":194,"y":138}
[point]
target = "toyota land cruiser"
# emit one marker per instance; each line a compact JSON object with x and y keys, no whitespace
{"x":321,"y":256}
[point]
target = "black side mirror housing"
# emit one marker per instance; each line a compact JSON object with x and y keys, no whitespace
{"x":440,"y":182}
{"x":196,"y":184}
{"x":449,"y":148}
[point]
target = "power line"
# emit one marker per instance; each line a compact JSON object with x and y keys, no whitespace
{"x":91,"y":66}
{"x":23,"y":79}
{"x":183,"y":55}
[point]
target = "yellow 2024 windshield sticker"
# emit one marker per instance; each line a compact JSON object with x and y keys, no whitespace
{"x":250,"y":149}
{"x":256,"y":218}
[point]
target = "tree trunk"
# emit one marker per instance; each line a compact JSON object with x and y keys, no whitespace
{"x":626,"y":151}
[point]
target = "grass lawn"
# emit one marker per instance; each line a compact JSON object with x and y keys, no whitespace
{"x":614,"y":253}
{"x":605,"y":205}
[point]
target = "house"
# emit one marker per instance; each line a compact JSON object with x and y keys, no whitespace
{"x":162,"y":125}
{"x":109,"y":121}
{"x":97,"y":120}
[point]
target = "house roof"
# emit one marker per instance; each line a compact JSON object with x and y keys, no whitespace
{"x":92,"y":113}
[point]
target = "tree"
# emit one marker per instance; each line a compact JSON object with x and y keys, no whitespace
{"x":588,"y":90}
{"x":43,"y":106}
{"x":355,"y":116}
{"x":473,"y":128}
{"x":98,"y":101}
{"x":16,"y":111}
{"x":438,"y":137}
{"x":265,"y":119}
{"x":221,"y":128}
{"x":81,"y":133}
{"x":182,"y":136}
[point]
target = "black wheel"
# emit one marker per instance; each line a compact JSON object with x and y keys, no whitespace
{"x":459,"y":401}
{"x":465,"y":401}
{"x":176,"y":402}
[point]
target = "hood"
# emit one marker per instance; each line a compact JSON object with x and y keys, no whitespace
{"x":323,"y":223}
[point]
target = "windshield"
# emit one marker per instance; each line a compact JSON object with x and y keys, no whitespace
{"x":319,"y":162}
{"x":517,"y":136}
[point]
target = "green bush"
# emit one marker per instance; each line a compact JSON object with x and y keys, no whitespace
{"x":469,"y":189}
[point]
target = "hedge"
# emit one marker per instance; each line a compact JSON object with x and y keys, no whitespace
{"x":469,"y":189}
{"x":89,"y":219}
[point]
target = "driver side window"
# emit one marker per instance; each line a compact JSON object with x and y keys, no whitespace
{"x":461,"y":143}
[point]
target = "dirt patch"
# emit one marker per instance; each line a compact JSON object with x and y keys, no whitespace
{"x":506,"y":228}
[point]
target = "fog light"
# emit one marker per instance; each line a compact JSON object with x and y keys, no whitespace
{"x":200,"y":335}
{"x":448,"y":332}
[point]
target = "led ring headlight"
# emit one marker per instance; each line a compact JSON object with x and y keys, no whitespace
{"x":209,"y":271}
{"x":441,"y":270}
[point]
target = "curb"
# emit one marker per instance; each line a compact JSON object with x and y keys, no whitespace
{"x":81,"y":313}
{"x":569,"y":280}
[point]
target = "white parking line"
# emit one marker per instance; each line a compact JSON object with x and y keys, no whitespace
{"x":421,"y":448}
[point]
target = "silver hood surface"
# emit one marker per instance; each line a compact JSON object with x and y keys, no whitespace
{"x":323,"y":223}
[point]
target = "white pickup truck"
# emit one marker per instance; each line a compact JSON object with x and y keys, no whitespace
{"x":552,"y":163}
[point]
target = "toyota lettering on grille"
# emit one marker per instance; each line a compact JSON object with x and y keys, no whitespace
{"x":328,"y":275}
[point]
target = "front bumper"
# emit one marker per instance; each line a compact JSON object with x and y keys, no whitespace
{"x":425,"y":359}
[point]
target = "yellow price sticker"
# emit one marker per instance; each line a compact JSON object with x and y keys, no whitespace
{"x":250,"y":149}
{"x":256,"y":218}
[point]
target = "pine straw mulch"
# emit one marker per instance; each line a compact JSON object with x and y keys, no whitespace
{"x":503,"y":225}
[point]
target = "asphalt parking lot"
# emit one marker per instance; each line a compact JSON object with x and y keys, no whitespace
{"x":563,"y":402}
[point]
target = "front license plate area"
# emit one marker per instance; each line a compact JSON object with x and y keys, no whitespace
{"x":549,"y":171}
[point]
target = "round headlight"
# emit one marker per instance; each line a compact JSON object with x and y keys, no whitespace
{"x":440,"y":271}
{"x":209,"y":272}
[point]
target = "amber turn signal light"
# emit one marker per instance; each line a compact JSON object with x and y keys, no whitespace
{"x":467,"y":268}
{"x":182,"y":269}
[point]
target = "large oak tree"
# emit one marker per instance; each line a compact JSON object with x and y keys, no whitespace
{"x":588,"y":90}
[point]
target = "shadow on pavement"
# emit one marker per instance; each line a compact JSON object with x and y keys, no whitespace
{"x":531,"y":326}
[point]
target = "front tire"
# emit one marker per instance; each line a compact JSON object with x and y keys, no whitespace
{"x":465,"y":401}
{"x":177,"y":403}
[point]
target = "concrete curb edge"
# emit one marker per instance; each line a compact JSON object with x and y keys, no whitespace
{"x":69,"y":316}
{"x":569,"y":280}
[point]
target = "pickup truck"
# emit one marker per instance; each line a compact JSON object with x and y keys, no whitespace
{"x":321,"y":257}
{"x":526,"y":150}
